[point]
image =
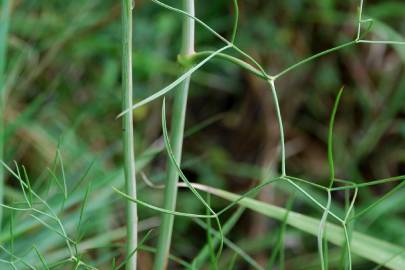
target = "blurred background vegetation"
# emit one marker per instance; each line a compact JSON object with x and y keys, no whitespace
{"x":63,"y":90}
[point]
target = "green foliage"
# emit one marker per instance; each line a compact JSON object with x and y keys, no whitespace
{"x":68,"y":203}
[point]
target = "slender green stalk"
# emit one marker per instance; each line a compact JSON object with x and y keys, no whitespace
{"x":234,"y":60}
{"x":199,"y":260}
{"x":367,"y":184}
{"x":322,"y":244}
{"x":313,"y":57}
{"x":359,"y":21}
{"x":174,"y":84}
{"x":280,"y":125}
{"x":177,"y":132}
{"x":128,"y":133}
{"x":235,"y":21}
{"x":4,"y":22}
{"x":330,"y":140}
{"x":392,"y":42}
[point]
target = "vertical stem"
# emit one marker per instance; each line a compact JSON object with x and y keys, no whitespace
{"x":4,"y":23}
{"x":281,"y":127}
{"x":177,"y":130}
{"x":360,"y":19}
{"x":128,"y":133}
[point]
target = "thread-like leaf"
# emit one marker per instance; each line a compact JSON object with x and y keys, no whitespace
{"x":373,"y":249}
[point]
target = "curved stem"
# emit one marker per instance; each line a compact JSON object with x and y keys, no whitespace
{"x":281,"y":127}
{"x":176,"y":138}
{"x":235,"y":21}
{"x":195,"y":58}
{"x":330,"y":140}
{"x":128,"y":134}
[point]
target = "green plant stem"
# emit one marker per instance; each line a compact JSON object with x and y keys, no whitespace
{"x":177,"y":133}
{"x":374,"y":249}
{"x":235,"y":21}
{"x":128,"y":133}
{"x":281,"y":127}
{"x":202,"y":256}
{"x":313,"y":57}
{"x":330,"y":140}
{"x":360,"y":19}
{"x":4,"y":23}
{"x":196,"y":57}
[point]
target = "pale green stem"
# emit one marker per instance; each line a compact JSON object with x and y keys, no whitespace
{"x":359,"y":20}
{"x":383,"y":42}
{"x":128,"y":134}
{"x":321,"y":233}
{"x":234,"y":60}
{"x":281,"y":128}
{"x":177,"y":133}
